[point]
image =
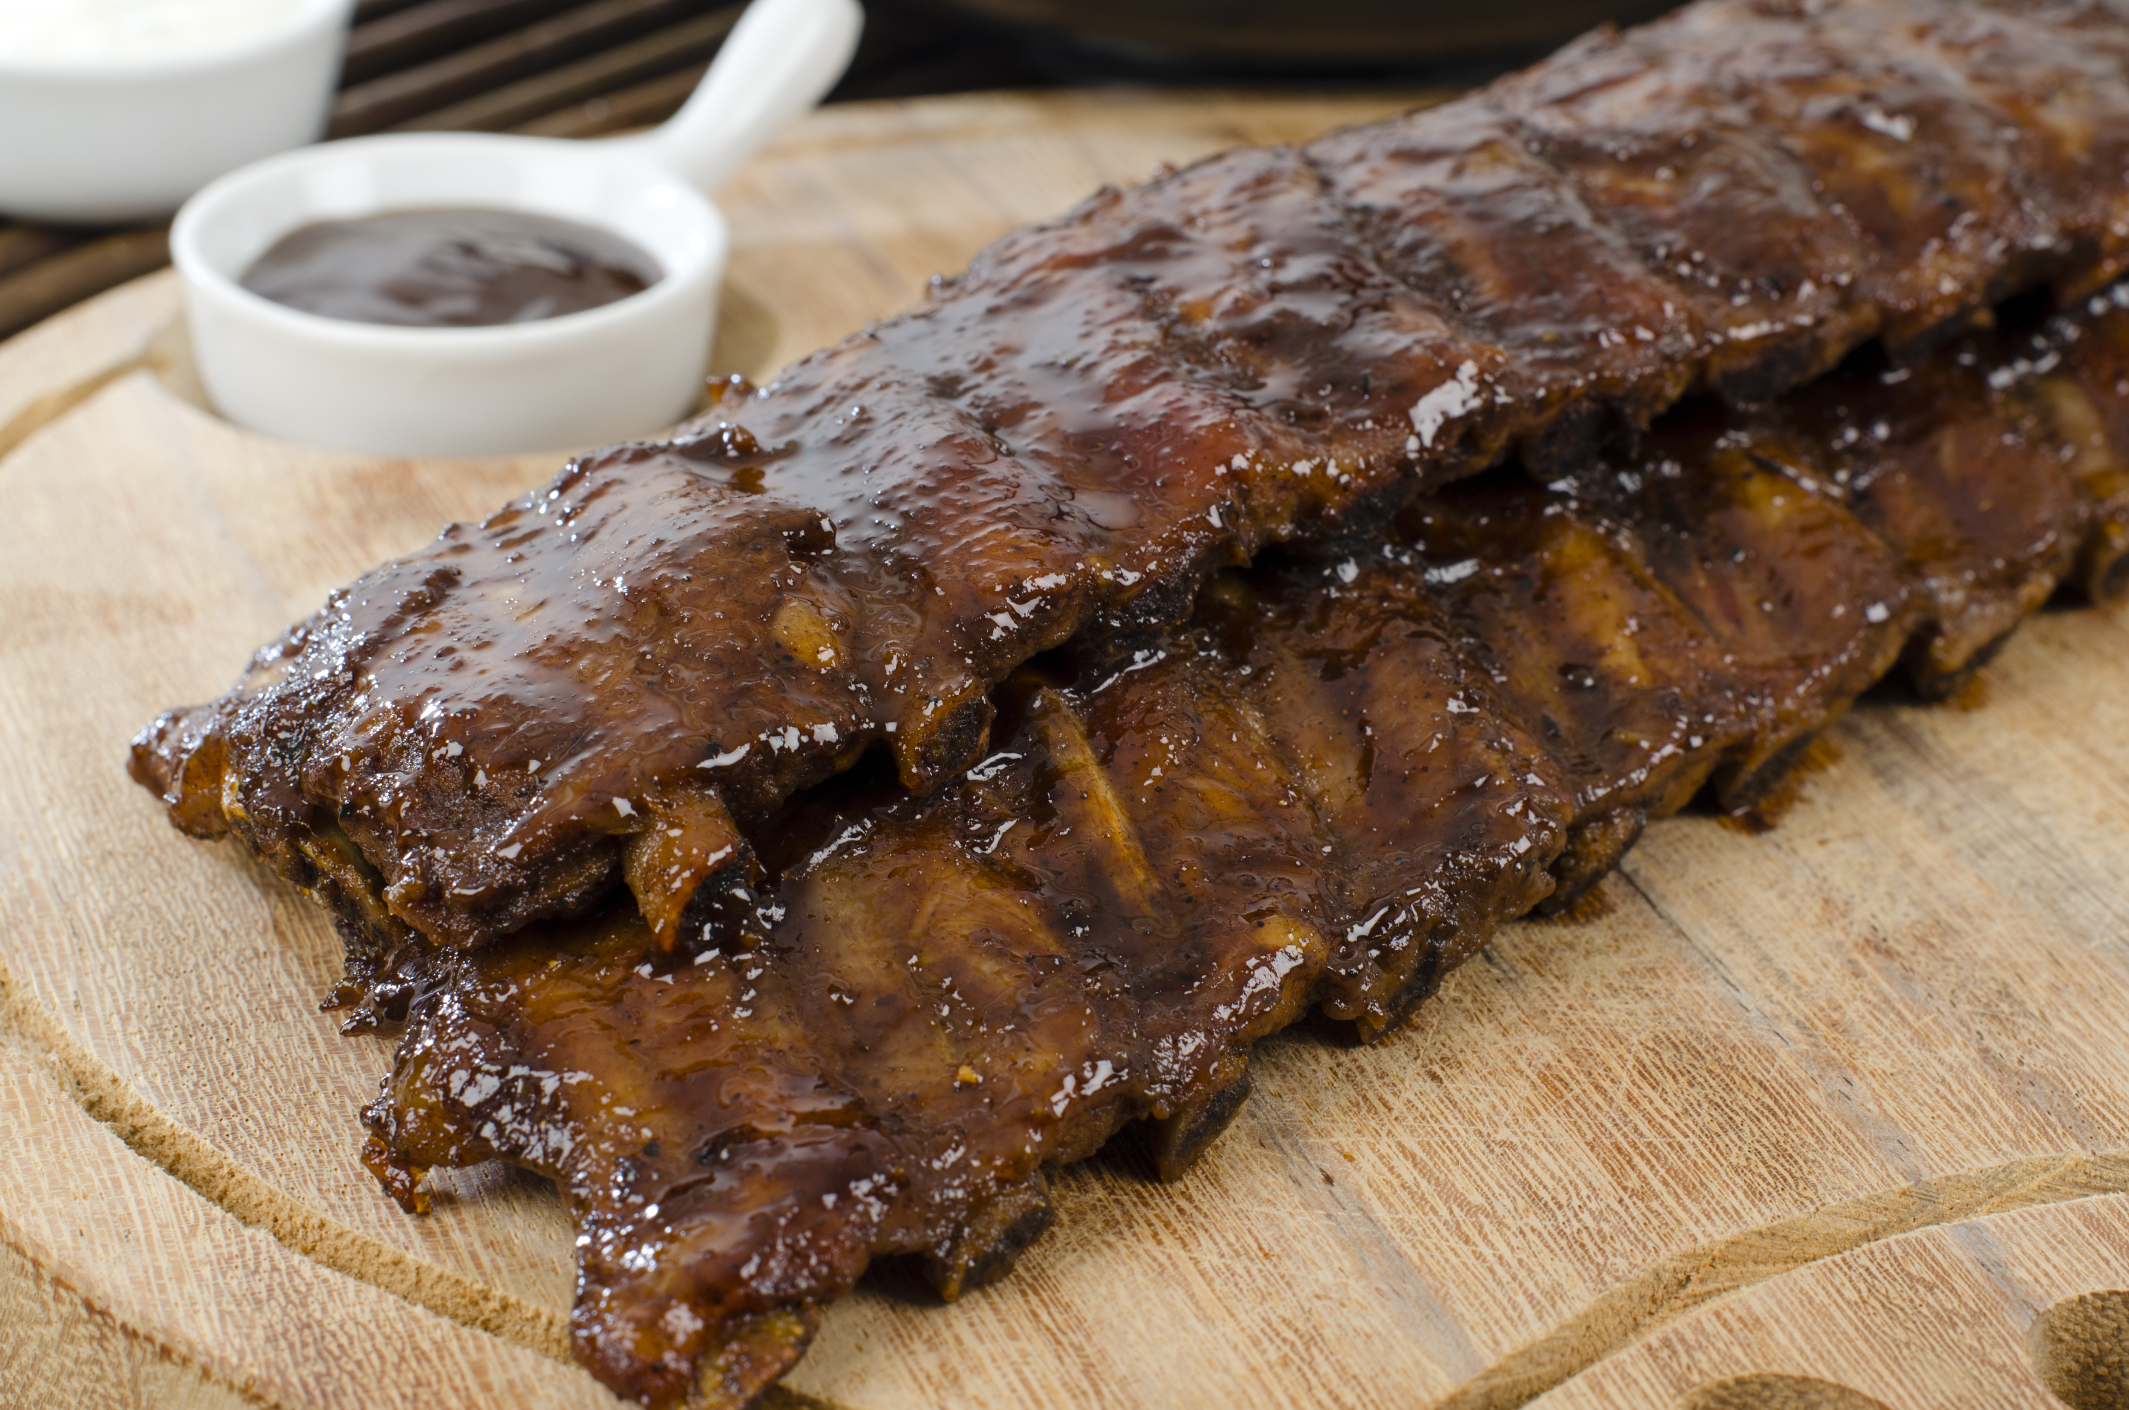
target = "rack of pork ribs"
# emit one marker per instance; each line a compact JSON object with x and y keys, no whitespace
{"x":1264,"y":584}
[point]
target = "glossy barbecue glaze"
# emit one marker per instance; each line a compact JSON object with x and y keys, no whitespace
{"x":1327,"y":790}
{"x":617,"y":677}
{"x":449,"y":268}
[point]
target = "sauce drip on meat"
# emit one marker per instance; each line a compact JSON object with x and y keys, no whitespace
{"x":450,"y":268}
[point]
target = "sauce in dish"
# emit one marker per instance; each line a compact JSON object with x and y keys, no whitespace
{"x":450,"y":268}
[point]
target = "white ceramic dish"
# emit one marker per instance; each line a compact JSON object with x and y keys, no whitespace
{"x":625,"y":369}
{"x":131,"y":136}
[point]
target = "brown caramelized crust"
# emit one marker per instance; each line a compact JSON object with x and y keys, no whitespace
{"x":1325,"y":791}
{"x":2074,"y":375}
{"x":617,"y":677}
{"x":1954,"y":478}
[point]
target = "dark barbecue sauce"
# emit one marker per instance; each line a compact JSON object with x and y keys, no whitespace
{"x":450,"y":268}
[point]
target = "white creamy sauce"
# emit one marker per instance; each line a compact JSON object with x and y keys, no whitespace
{"x":79,"y":31}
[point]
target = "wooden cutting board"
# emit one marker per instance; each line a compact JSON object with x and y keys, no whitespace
{"x":1844,"y":1105}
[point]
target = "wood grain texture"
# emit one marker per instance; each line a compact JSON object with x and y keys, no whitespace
{"x":1846,"y":1103}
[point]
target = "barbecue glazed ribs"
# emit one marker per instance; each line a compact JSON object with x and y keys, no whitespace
{"x":614,"y":680}
{"x":1328,"y":789}
{"x":1724,"y":290}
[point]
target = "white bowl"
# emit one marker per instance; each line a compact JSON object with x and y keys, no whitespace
{"x":607,"y":373}
{"x":127,"y":137}
{"x":625,"y":369}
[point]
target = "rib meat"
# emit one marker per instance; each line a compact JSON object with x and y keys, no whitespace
{"x":1326,"y":790}
{"x":617,"y":678}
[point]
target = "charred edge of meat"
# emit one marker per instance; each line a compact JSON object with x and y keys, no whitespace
{"x":1175,"y":1142}
{"x":758,"y":1351}
{"x":2106,"y":579}
{"x":1936,"y":683}
{"x":1593,"y":849}
{"x":1741,"y":793}
{"x":985,"y":1248}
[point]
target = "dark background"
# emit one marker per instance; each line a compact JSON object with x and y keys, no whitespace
{"x":579,"y":68}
